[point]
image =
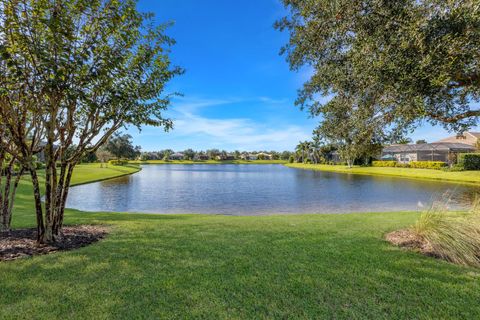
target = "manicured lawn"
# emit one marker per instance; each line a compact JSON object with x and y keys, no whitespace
{"x":463,"y":177}
{"x":211,"y":162}
{"x":200,"y":266}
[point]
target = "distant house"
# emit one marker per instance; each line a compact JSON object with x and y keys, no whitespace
{"x":200,"y":157}
{"x":264,"y":156}
{"x":445,"y":150}
{"x":225,"y":157}
{"x":177,"y":156}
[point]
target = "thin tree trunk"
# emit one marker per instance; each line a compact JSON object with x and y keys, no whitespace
{"x":4,"y":223}
{"x":13,"y":193}
{"x":64,"y":196}
{"x":38,"y":204}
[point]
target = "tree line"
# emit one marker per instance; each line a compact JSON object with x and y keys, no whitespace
{"x":214,"y":154}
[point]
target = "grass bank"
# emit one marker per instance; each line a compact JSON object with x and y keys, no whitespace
{"x":200,"y":266}
{"x":210,"y":162}
{"x":463,"y":177}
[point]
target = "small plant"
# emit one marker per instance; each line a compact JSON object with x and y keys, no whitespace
{"x":452,"y":236}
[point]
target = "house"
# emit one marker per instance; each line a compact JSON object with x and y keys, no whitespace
{"x":264,"y":156}
{"x":470,"y":138}
{"x":244,"y":156}
{"x":445,"y":150}
{"x":200,"y":157}
{"x":225,"y":157}
{"x":177,"y":156}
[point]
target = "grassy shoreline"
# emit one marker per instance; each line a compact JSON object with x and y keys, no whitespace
{"x":461,"y":177}
{"x":209,"y":266}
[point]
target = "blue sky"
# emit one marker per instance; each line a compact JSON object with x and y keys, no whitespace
{"x":238,"y":91}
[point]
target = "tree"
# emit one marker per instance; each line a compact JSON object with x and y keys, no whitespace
{"x":166,"y":154}
{"x":353,"y":130}
{"x":418,"y":59}
{"x":121,"y":146}
{"x":285,"y":155}
{"x":189,"y":154}
{"x":403,"y":141}
{"x":302,"y":150}
{"x":11,"y":172}
{"x":104,"y":156}
{"x":213,"y":153}
{"x":87,"y":68}
{"x":422,"y":141}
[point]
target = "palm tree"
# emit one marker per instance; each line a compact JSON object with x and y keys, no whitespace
{"x":315,"y":148}
{"x":303,"y":149}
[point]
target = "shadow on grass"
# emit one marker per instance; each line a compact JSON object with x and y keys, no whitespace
{"x":179,"y":268}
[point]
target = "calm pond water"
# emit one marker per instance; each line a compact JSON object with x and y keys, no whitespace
{"x":257,"y":190}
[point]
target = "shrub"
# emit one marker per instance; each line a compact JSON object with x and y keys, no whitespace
{"x":452,"y":236}
{"x":469,"y":161}
{"x":428,"y":164}
{"x":118,"y":162}
{"x":388,"y":163}
{"x":291,"y":159}
{"x":454,"y":168}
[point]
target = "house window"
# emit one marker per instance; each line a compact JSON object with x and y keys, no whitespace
{"x":404,"y":159}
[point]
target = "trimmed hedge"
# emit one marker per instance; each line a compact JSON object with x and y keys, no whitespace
{"x":469,"y":161}
{"x":384,"y":163}
{"x":413,"y":164}
{"x":437,"y":165}
{"x":118,"y":162}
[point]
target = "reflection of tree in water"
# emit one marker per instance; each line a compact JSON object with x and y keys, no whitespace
{"x":117,"y":181}
{"x":455,"y":198}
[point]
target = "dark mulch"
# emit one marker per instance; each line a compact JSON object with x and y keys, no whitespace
{"x":22,"y":242}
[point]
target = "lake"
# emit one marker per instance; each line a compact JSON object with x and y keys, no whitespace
{"x":258,"y":190}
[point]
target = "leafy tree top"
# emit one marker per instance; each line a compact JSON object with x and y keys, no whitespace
{"x":414,"y":60}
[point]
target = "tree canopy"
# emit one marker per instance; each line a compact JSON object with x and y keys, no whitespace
{"x":412,"y":60}
{"x":72,"y":72}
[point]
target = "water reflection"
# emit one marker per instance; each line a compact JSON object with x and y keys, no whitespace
{"x":258,"y":190}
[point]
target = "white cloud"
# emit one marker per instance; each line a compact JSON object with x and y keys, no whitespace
{"x":193,"y":130}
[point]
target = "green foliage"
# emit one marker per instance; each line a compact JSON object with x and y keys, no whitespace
{"x":469,"y":161}
{"x":412,"y":164}
{"x":437,"y":165}
{"x":291,"y":159}
{"x":406,"y":60}
{"x":384,"y":163}
{"x":121,"y":146}
{"x":118,"y":162}
{"x":452,"y":236}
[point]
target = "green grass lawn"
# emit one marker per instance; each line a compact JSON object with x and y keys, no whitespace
{"x":463,"y":177}
{"x":210,"y":162}
{"x":200,"y":266}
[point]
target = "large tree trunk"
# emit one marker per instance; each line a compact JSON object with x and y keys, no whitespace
{"x":55,"y":207}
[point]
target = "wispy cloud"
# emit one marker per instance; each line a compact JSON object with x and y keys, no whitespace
{"x":194,"y":130}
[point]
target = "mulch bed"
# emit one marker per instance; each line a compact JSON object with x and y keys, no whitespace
{"x":22,"y":243}
{"x":409,"y":240}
